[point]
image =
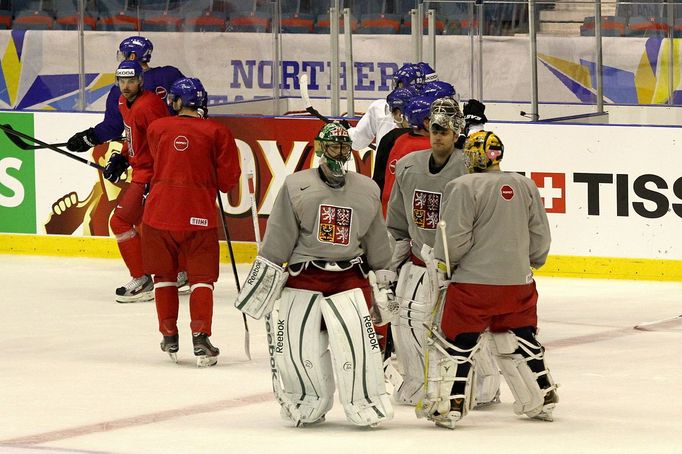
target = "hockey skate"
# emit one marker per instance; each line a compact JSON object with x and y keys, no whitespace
{"x":170,"y":345}
{"x":449,"y":419}
{"x":551,"y":399}
{"x":137,"y":290}
{"x":206,"y":353}
{"x":183,"y":283}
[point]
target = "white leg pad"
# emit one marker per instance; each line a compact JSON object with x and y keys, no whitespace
{"x":486,"y":374}
{"x":415,"y":299}
{"x":441,"y":375}
{"x":356,"y":358}
{"x":302,"y":357}
{"x":528,"y":397}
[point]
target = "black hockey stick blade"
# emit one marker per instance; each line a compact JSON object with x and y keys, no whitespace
{"x":11,"y":132}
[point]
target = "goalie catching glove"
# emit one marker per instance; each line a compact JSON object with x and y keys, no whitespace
{"x":262,"y":288}
{"x":385,"y":306}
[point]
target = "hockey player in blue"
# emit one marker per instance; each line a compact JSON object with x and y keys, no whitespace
{"x":158,"y":80}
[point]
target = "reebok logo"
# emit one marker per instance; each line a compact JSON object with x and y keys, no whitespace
{"x":371,"y":334}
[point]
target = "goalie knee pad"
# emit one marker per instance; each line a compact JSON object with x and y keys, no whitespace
{"x":302,"y":357}
{"x":356,"y":358}
{"x":415,"y":306}
{"x":449,"y":376}
{"x":261,"y":288}
{"x":515,"y":355}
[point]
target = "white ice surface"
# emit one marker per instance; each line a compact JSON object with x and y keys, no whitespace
{"x":81,"y":373}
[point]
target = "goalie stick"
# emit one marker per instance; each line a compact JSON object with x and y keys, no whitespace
{"x":247,"y":341}
{"x":431,"y":329}
{"x":659,"y":324}
{"x":16,"y":136}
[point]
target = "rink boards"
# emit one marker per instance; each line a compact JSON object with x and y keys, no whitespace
{"x":613,"y":194}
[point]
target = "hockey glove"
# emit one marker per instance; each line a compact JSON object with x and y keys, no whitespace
{"x":385,"y":306}
{"x":460,"y":141}
{"x":82,"y":141}
{"x":474,"y":112}
{"x":115,"y":167}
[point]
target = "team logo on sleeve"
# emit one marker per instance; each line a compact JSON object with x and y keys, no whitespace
{"x":426,"y":209}
{"x":334,"y":224}
{"x":161,"y":92}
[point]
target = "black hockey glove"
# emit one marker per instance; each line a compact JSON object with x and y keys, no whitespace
{"x":115,"y":167}
{"x":82,"y":141}
{"x":474,"y":112}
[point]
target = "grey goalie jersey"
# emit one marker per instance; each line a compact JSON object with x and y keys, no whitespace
{"x":414,"y":208}
{"x":497,"y":229}
{"x":312,"y":221}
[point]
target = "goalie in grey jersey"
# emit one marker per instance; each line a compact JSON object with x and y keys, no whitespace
{"x":496,"y":232}
{"x":326,"y":226}
{"x":414,"y":211}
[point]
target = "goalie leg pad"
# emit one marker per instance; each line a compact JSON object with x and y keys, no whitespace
{"x":261,"y":288}
{"x":515,"y":355}
{"x":302,"y":357}
{"x":356,"y":358}
{"x":486,"y":374}
{"x":413,"y":293}
{"x":449,"y":379}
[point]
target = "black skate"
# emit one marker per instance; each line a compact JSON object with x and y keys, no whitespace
{"x":206,"y":353}
{"x":170,"y":345}
{"x":137,"y":290}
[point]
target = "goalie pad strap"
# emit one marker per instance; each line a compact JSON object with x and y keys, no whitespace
{"x":261,"y":288}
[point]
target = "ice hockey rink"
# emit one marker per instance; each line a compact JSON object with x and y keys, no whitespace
{"x":80,"y":373}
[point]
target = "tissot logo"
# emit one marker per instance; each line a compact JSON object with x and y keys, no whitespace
{"x":649,"y":196}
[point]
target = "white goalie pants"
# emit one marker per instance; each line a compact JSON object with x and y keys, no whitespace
{"x":307,"y":358}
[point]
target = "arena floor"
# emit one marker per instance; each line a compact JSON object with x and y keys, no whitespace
{"x":80,"y":373}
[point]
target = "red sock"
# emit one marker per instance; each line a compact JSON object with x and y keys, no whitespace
{"x":201,"y":309}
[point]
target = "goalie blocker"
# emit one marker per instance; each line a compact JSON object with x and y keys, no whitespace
{"x":262,"y":288}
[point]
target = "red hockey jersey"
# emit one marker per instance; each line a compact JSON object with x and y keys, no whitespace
{"x":193,"y":158}
{"x":404,"y":145}
{"x":137,"y":117}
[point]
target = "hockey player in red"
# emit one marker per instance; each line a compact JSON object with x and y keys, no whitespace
{"x":417,"y":113}
{"x":138,"y":108}
{"x":193,"y":158}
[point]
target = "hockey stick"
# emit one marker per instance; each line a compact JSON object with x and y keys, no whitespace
{"x":659,"y":324}
{"x":431,"y":332}
{"x":247,"y":342}
{"x":303,"y":82}
{"x":11,"y":132}
{"x":294,"y":415}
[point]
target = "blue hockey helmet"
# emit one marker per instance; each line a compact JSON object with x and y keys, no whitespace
{"x":438,"y":89}
{"x":418,"y":110}
{"x":129,"y":68}
{"x":138,"y":45}
{"x":408,"y":75}
{"x":428,"y":72}
{"x":190,"y":90}
{"x":399,"y":98}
